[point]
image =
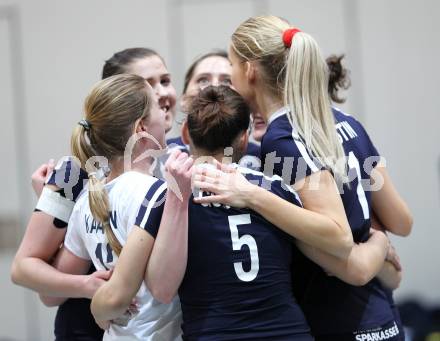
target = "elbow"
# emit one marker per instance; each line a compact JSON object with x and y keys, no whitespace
{"x":50,"y":301}
{"x":407,"y":225}
{"x":16,"y":273}
{"x":360,"y":274}
{"x":115,"y":300}
{"x":160,"y":291}
{"x":362,"y":279}
{"x":404,"y":226}
{"x":118,"y":302}
{"x":110,"y":301}
{"x":359,"y":278}
{"x":162,"y":294}
{"x":394,"y":283}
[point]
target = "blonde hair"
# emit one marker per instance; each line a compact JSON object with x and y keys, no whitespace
{"x":298,"y":75}
{"x":111,"y":110}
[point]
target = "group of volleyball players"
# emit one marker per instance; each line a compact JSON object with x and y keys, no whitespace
{"x":192,"y":241}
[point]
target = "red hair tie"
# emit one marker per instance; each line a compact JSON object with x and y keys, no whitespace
{"x":288,"y":36}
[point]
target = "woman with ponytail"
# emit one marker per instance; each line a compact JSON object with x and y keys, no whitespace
{"x":280,"y":72}
{"x":338,"y":80}
{"x":259,"y":283}
{"x":235,"y":282}
{"x":116,"y":220}
{"x":58,"y":191}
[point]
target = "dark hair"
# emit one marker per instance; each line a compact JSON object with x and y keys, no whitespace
{"x":190,"y":72}
{"x":216,"y":117}
{"x":338,"y":77}
{"x":120,"y":61}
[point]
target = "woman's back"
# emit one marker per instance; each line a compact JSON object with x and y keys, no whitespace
{"x":359,"y":308}
{"x":135,"y":199}
{"x":237,"y":283}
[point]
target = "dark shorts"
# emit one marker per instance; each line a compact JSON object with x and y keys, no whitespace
{"x":388,"y":332}
{"x":74,"y":322}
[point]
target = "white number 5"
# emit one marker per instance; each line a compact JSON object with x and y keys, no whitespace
{"x":238,"y":242}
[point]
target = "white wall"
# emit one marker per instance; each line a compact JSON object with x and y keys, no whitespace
{"x":400,"y":53}
{"x":392,"y":48}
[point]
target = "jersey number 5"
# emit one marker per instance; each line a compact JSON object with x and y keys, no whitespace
{"x":237,"y":244}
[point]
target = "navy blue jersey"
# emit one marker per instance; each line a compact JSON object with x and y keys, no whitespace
{"x":251,"y":159}
{"x":396,"y":313}
{"x":176,"y":142}
{"x":69,"y":177}
{"x":237,"y":283}
{"x":253,"y":149}
{"x":74,"y":321}
{"x":331,"y":306}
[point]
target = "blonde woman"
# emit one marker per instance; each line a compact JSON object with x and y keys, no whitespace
{"x":114,"y":223}
{"x":279,"y":70}
{"x":47,"y":227}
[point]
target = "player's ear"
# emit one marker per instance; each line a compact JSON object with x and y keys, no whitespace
{"x":186,"y":139}
{"x":243,"y":141}
{"x":140,"y":125}
{"x":250,"y":71}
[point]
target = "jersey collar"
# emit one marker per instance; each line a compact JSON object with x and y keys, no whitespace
{"x":280,"y":112}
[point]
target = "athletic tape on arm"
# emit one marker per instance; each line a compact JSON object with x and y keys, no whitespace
{"x":54,"y":204}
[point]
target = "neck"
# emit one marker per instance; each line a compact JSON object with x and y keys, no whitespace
{"x":267,"y":104}
{"x":203,"y":156}
{"x":118,"y":167}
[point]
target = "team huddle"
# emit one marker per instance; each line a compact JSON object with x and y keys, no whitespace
{"x":267,"y":219}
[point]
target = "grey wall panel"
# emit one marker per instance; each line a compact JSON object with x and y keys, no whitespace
{"x":9,"y":202}
{"x":65,"y":46}
{"x":401,"y":50}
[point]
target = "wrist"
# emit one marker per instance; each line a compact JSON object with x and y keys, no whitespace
{"x":253,"y":199}
{"x":176,"y":201}
{"x":84,"y":286}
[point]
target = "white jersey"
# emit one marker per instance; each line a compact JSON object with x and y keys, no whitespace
{"x":135,"y":199}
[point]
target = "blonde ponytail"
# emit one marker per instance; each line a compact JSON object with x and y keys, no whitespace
{"x":111,"y":110}
{"x":98,"y":196}
{"x":79,"y":146}
{"x":100,"y":208}
{"x":297,"y":76}
{"x":306,"y":94}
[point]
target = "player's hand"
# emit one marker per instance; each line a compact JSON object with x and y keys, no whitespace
{"x":131,"y":312}
{"x":227,"y":185}
{"x":394,"y":258}
{"x":94,"y":281}
{"x":178,"y":173}
{"x":382,"y":238}
{"x":40,"y":175}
